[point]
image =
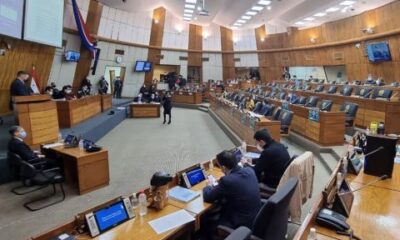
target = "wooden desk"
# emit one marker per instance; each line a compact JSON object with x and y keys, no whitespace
{"x":106,"y":102}
{"x":145,"y":110}
{"x":187,"y":97}
{"x":37,"y":114}
{"x":375,"y":213}
{"x":89,"y":171}
{"x":240,"y":122}
{"x":73,"y":112}
{"x":329,"y":131}
{"x":247,"y":84}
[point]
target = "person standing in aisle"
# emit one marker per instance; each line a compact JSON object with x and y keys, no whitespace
{"x":117,"y":87}
{"x":167,"y":105}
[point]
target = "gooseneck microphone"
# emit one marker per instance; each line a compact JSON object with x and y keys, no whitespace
{"x":381,"y":178}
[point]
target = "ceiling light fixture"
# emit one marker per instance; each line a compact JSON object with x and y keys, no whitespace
{"x":187,"y":19}
{"x":187,"y":15}
{"x":347,"y":3}
{"x":251,"y":13}
{"x":321,"y":14}
{"x":265,"y":3}
{"x":269,"y":7}
{"x":246,"y":17}
{"x":309,"y":19}
{"x":190,"y":6}
{"x":313,"y":40}
{"x":257,"y":8}
{"x":241,"y":21}
{"x":188,"y":11}
{"x":237,"y":24}
{"x":299,"y":23}
{"x":332,"y":9}
{"x":191,"y":1}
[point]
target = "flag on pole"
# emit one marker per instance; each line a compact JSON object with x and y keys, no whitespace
{"x":34,"y":81}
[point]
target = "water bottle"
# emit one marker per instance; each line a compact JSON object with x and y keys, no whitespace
{"x":211,"y":166}
{"x":142,"y":204}
{"x":313,"y":234}
{"x":80,"y":142}
{"x":243,"y":147}
{"x":134,"y":201}
{"x":60,"y":139}
{"x":339,"y":179}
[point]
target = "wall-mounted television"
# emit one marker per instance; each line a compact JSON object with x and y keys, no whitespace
{"x":143,"y":66}
{"x":72,"y":56}
{"x":379,"y":52}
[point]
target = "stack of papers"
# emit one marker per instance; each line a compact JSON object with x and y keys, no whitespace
{"x":171,"y":221}
{"x":252,"y":155}
{"x":183,"y":194}
{"x":52,"y":145}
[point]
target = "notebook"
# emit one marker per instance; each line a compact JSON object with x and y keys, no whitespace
{"x":183,"y":194}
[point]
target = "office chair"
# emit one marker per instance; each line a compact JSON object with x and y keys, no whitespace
{"x":307,"y":87}
{"x":286,"y":118}
{"x":292,"y":87}
{"x":346,"y":91}
{"x":319,"y":88}
{"x":351,"y":112}
{"x":282,"y":96}
{"x":364,"y":92}
{"x":271,"y":221}
{"x":272,"y":95}
{"x":302,"y":100}
{"x":276,"y":113}
{"x":312,"y":101}
{"x":326,"y":105}
{"x":284,"y":85}
{"x":241,"y":233}
{"x":382,"y":94}
{"x":332,"y":90}
{"x":35,"y":175}
{"x":258,"y":107}
{"x":267,"y":110}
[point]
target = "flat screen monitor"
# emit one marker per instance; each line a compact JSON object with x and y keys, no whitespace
{"x":111,"y":216}
{"x":72,"y":56}
{"x":44,"y":21}
{"x":69,"y":139}
{"x":11,"y":15}
{"x":379,"y":52}
{"x":196,"y":176}
{"x":147,"y":67}
{"x":143,"y":66}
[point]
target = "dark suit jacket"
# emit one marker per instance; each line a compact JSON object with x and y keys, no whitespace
{"x":22,"y":149}
{"x":272,"y":164}
{"x":240,"y":196}
{"x":18,"y":88}
{"x":167,"y":103}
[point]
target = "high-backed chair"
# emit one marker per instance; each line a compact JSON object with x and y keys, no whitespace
{"x":286,"y":118}
{"x":271,"y":221}
{"x":312,"y":101}
{"x":267,"y":110}
{"x":346,"y":91}
{"x":276,"y":113}
{"x":241,"y":233}
{"x":302,"y":100}
{"x":34,"y":175}
{"x":282,"y":95}
{"x":364,"y":92}
{"x":307,"y":87}
{"x":382,"y":94}
{"x":258,"y":107}
{"x":319,"y":88}
{"x":332,"y":90}
{"x":326,"y":105}
{"x":273,"y":94}
{"x":350,"y":110}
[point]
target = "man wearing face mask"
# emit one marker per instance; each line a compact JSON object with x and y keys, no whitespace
{"x":19,"y":88}
{"x":237,"y":192}
{"x":18,"y":146}
{"x":273,"y":160}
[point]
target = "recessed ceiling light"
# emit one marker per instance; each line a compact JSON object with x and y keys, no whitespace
{"x":257,"y":8}
{"x":237,"y":24}
{"x":190,"y":6}
{"x":321,"y":14}
{"x":269,"y":7}
{"x":187,"y":15}
{"x":188,"y":11}
{"x":332,"y":9}
{"x":299,"y":23}
{"x":251,"y":13}
{"x":347,"y":3}
{"x":187,"y":19}
{"x":241,"y":21}
{"x":191,"y":1}
{"x":262,"y":2}
{"x":246,"y":17}
{"x":234,"y":27}
{"x":309,"y":19}
{"x":195,"y":18}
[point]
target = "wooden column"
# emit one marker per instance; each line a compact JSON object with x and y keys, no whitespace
{"x":156,"y":38}
{"x":261,"y":34}
{"x":228,"y":63}
{"x":85,"y":61}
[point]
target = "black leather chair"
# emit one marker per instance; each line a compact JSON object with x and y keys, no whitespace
{"x":241,"y":233}
{"x":332,"y":90}
{"x":286,"y":118}
{"x":364,"y":92}
{"x":312,"y":101}
{"x":351,"y":111}
{"x":346,"y":91}
{"x":271,"y":221}
{"x":319,"y":88}
{"x":33,"y":174}
{"x":302,"y":100}
{"x":383,"y":94}
{"x":276,"y":113}
{"x":267,"y":110}
{"x":258,"y":107}
{"x":326,"y":105}
{"x":307,"y":87}
{"x":282,"y":96}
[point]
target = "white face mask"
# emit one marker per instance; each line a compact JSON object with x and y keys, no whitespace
{"x":68,"y":91}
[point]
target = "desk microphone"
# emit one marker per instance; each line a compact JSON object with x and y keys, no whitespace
{"x":374,"y":151}
{"x":381,"y":178}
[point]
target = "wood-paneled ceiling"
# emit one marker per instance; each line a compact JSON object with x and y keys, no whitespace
{"x":283,"y":13}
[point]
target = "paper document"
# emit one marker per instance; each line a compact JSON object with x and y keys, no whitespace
{"x":397,"y":160}
{"x":171,"y":221}
{"x":182,"y":194}
{"x":252,"y":155}
{"x":52,"y":145}
{"x":255,"y":115}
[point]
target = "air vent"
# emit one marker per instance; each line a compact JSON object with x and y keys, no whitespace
{"x":182,"y":58}
{"x":160,"y":56}
{"x":338,"y":55}
{"x":119,"y":52}
{"x":236,"y":59}
{"x":205,"y":59}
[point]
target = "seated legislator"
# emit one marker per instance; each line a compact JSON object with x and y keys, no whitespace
{"x":249,"y":103}
{"x":16,"y":145}
{"x":67,"y":93}
{"x":138,"y":99}
{"x":19,"y":88}
{"x":237,"y":192}
{"x":155,"y":98}
{"x":273,"y":160}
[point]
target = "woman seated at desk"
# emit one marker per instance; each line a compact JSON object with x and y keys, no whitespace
{"x":249,"y":103}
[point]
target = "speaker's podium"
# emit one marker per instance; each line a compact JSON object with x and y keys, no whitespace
{"x":37,"y":114}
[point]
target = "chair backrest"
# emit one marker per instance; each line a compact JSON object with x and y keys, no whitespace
{"x":272,"y":220}
{"x":258,"y":107}
{"x":302,"y":100}
{"x":347,"y":91}
{"x":319,"y":88}
{"x":332,"y":89}
{"x":326,"y":105}
{"x":286,"y":117}
{"x":26,"y":170}
{"x":350,"y":109}
{"x":241,"y":233}
{"x":364,"y":92}
{"x":282,"y":95}
{"x":382,"y":94}
{"x":312,"y":101}
{"x":276,"y":113}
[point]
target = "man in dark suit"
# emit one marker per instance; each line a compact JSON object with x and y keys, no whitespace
{"x":167,"y":105}
{"x":237,"y":192}
{"x":273,"y":161}
{"x":19,"y":88}
{"x":16,"y":145}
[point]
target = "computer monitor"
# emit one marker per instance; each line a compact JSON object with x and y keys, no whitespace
{"x":194,"y":176}
{"x":111,"y":216}
{"x":69,"y":139}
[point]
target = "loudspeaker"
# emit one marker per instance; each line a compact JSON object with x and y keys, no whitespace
{"x":381,"y":161}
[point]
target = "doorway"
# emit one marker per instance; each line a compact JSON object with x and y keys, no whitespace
{"x":111,"y":73}
{"x":194,"y":75}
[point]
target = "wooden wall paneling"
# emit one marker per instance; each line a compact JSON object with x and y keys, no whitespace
{"x":195,"y":43}
{"x":156,"y":38}
{"x":85,"y":61}
{"x":260,"y":41}
{"x":228,"y":63}
{"x":22,"y":56}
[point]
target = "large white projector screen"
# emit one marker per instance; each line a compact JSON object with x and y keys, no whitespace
{"x":11,"y":14}
{"x":44,"y":21}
